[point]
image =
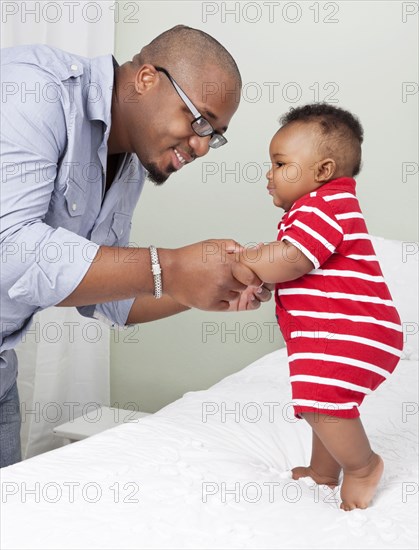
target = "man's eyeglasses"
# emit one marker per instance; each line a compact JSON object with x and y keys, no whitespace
{"x":200,"y":125}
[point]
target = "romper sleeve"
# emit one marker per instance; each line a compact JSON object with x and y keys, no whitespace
{"x":312,"y":227}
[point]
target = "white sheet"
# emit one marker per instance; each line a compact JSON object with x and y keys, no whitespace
{"x":163,"y":463}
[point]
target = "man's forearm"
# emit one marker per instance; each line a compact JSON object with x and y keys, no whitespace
{"x":146,"y":308}
{"x":115,"y":274}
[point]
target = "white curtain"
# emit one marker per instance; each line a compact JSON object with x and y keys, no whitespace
{"x":64,"y":361}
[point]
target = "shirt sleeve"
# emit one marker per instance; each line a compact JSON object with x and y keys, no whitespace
{"x":41,"y":265}
{"x":312,"y":227}
{"x":114,"y":314}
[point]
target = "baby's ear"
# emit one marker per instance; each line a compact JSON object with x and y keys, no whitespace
{"x":324,"y":170}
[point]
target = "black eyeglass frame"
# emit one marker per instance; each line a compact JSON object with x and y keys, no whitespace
{"x":200,"y":124}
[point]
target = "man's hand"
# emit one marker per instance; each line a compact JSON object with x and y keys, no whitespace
{"x":252,"y":297}
{"x":205,"y":275}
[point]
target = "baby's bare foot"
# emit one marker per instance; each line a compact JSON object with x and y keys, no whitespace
{"x":359,"y":486}
{"x":320,"y":479}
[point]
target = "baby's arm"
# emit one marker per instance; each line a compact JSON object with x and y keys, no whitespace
{"x":276,"y":262}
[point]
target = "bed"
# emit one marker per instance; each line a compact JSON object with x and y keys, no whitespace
{"x":211,"y":470}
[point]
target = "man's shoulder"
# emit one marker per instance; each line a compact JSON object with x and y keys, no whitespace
{"x":48,"y":59}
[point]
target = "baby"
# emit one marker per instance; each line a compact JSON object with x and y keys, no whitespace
{"x":341,"y":328}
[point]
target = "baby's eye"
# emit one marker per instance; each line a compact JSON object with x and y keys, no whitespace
{"x":279,"y":164}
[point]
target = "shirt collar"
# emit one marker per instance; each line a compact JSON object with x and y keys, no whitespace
{"x":102,"y":79}
{"x":344,"y":185}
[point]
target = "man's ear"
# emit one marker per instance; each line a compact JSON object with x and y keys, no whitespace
{"x":145,"y":78}
{"x":324,"y":170}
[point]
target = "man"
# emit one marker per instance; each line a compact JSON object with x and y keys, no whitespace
{"x":78,"y":138}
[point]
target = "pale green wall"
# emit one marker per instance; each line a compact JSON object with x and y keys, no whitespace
{"x":366,"y":55}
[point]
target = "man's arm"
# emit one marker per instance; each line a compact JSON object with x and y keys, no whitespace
{"x":276,"y":262}
{"x":146,"y":308}
{"x":202,"y":275}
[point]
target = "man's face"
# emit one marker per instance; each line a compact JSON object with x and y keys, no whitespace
{"x":164,"y":140}
{"x":293,"y":151}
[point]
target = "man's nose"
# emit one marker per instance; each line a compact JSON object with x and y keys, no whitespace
{"x":199,"y":145}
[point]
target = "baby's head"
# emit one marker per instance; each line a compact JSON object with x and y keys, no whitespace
{"x":316,"y":144}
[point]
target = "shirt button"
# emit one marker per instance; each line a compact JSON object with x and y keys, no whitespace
{"x":74,"y":207}
{"x":73,"y":67}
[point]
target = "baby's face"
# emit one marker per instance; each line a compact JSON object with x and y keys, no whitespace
{"x":294,"y":155}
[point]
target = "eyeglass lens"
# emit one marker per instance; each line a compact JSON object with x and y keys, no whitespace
{"x":202,"y":127}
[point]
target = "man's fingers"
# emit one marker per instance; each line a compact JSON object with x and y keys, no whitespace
{"x":253,"y":304}
{"x":223,"y":305}
{"x":232,"y":295}
{"x":269,"y":286}
{"x":263,"y":294}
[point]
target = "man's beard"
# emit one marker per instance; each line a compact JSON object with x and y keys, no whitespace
{"x":155,"y":175}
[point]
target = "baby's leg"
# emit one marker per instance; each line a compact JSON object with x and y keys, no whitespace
{"x":347,"y":442}
{"x":323,"y":468}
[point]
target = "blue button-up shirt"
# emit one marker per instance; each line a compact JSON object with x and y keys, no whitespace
{"x":55,"y":123}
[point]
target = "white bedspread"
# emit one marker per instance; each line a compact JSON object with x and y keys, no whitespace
{"x":195,"y":476}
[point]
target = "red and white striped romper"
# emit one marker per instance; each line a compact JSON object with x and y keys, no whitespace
{"x":341,"y":328}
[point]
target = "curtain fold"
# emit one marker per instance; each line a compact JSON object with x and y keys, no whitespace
{"x":64,"y":361}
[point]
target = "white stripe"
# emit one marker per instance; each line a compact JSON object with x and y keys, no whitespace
{"x":349,"y":216}
{"x":335,"y":295}
{"x":354,"y":318}
{"x":356,"y":236}
{"x":319,"y":213}
{"x":348,"y":273}
{"x":346,"y":338}
{"x":370,"y":258}
{"x":314,"y":234}
{"x":313,"y":194}
{"x":339,"y":359}
{"x":328,"y":198}
{"x":324,"y":404}
{"x":304,"y":250}
{"x":329,"y":382}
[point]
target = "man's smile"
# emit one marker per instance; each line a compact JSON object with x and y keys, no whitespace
{"x":180,"y":159}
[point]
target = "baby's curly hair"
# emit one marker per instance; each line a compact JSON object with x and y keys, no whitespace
{"x":340,"y":133}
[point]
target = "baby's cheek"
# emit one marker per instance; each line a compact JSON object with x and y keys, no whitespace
{"x":291,"y":173}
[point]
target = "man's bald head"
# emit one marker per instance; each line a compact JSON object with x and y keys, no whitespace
{"x":188,"y":52}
